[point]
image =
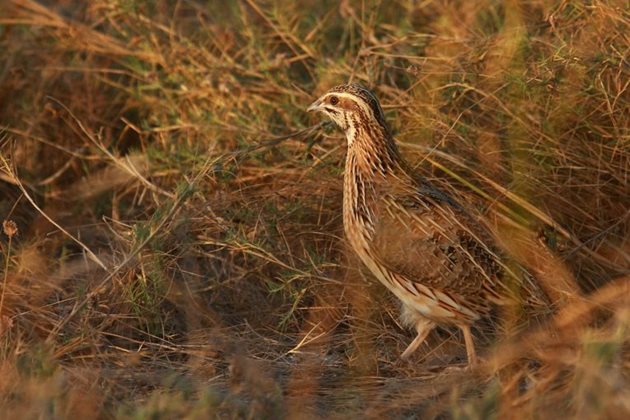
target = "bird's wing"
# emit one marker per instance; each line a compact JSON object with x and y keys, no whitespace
{"x":429,"y":240}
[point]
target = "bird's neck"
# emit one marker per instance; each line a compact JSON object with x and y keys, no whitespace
{"x":372,"y":149}
{"x":371,"y":160}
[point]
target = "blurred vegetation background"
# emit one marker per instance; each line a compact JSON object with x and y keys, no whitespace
{"x":172,"y":242}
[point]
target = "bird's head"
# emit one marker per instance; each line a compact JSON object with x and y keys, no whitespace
{"x":353,"y":108}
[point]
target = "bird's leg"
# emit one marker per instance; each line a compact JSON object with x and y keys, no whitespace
{"x":423,"y":328}
{"x":470,"y":345}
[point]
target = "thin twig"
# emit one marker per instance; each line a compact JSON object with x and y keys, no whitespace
{"x":13,"y":175}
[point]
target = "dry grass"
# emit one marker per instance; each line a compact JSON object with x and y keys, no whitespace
{"x":179,"y":248}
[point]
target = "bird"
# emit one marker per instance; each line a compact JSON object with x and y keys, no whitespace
{"x":425,"y":246}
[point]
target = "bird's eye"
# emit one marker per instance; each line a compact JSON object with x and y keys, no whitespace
{"x":334,"y":100}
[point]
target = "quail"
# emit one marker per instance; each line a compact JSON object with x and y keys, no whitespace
{"x":422,"y":244}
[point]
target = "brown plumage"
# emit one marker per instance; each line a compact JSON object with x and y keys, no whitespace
{"x":425,"y":247}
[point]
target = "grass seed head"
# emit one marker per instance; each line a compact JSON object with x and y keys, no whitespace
{"x":9,"y":227}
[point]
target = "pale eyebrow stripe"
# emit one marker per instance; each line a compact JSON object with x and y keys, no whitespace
{"x":358,"y":100}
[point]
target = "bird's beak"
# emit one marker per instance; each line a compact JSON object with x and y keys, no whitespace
{"x":315,"y":106}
